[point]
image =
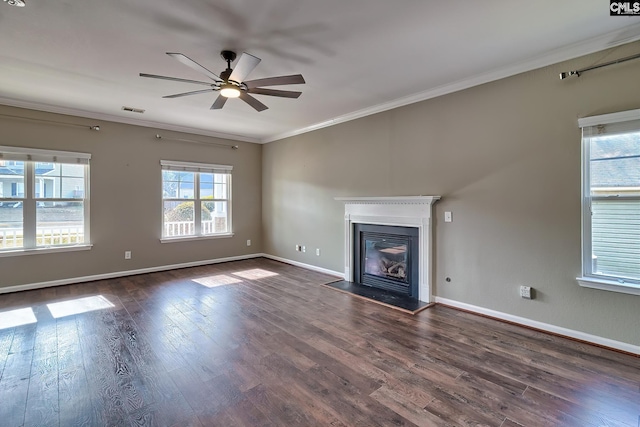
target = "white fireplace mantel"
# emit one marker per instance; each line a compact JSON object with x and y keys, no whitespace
{"x":404,"y":211}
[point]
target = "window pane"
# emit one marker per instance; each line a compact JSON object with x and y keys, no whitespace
{"x":12,"y":180}
{"x":206,"y":185}
{"x":221,"y":186}
{"x":207,"y":219}
{"x":219,"y":217}
{"x":615,"y":219}
{"x":10,"y":225}
{"x":178,"y":218}
{"x":615,"y":235}
{"x":59,"y":223}
{"x":59,"y":181}
{"x":615,"y":165}
{"x":177,"y":185}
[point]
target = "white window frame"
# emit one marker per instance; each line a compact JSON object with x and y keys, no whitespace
{"x":588,"y":278}
{"x":31,"y":157}
{"x":198,"y":168}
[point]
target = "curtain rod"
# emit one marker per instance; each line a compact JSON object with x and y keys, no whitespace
{"x":92,"y":127}
{"x":233,"y":147}
{"x":606,"y":64}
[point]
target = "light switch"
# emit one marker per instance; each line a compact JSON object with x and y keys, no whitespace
{"x":448,"y":217}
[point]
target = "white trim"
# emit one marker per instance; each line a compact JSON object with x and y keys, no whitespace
{"x":37,"y":106}
{"x":595,"y":44}
{"x":208,"y":166}
{"x":394,"y":200}
{"x":45,"y":250}
{"x":190,"y":238}
{"x":74,"y":280}
{"x":608,"y":285}
{"x":604,"y":119}
{"x":594,"y":339}
{"x":404,"y":211}
{"x":307,"y":266}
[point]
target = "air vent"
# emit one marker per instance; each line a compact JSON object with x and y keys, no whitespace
{"x":133,"y":110}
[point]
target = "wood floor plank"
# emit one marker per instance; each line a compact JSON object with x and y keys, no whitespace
{"x":261,"y":343}
{"x":14,"y":387}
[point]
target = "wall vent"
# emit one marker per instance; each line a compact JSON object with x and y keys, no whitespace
{"x":133,"y":110}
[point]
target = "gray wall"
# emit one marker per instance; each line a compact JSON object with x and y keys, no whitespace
{"x":126,"y":196}
{"x":505,"y":157}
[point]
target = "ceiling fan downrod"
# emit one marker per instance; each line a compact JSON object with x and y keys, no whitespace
{"x":229,"y":56}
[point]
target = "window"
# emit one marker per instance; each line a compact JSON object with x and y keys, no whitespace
{"x":196,"y":200}
{"x":611,"y":202}
{"x":43,"y":199}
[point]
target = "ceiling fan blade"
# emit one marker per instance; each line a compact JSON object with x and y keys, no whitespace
{"x":219,"y":103}
{"x":245,"y":65}
{"x":194,"y":65}
{"x":274,"y":92}
{"x":259,"y":106}
{"x":195,"y":92}
{"x":276,"y":81}
{"x":175,"y":79}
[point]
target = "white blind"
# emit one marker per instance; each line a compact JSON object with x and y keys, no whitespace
{"x":610,"y":124}
{"x":43,"y":156}
{"x":194,"y":167}
{"x":611,"y":129}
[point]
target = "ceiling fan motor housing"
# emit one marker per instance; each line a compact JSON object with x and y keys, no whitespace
{"x":228,"y":55}
{"x":226,"y":74}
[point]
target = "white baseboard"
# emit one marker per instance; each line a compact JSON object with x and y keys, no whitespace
{"x":594,"y":339}
{"x":303,"y":265}
{"x":82,"y":279}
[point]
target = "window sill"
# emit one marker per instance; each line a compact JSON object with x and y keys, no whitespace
{"x":609,"y":285}
{"x":45,"y":250}
{"x":191,"y":238}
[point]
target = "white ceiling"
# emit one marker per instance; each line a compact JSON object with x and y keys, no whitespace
{"x":357,"y":56}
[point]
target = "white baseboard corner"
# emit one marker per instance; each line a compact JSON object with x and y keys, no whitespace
{"x":307,"y":266}
{"x":545,"y":327}
{"x":72,"y":280}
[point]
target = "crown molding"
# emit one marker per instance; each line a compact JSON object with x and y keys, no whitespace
{"x":616,"y":38}
{"x":10,"y":102}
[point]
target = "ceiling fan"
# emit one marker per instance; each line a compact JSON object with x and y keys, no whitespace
{"x":231,"y":83}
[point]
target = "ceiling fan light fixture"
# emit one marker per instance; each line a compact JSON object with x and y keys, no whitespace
{"x":19,"y":3}
{"x":230,"y":91}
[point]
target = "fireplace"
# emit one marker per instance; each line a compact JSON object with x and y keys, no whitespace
{"x":395,"y":213}
{"x":387,"y":257}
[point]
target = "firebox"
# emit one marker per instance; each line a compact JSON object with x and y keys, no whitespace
{"x":386,"y":257}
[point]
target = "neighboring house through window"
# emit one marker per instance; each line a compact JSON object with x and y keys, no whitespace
{"x":43,"y":202}
{"x":196,"y":200}
{"x":611,"y":202}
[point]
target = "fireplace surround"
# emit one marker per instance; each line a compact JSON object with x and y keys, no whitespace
{"x":407,"y":212}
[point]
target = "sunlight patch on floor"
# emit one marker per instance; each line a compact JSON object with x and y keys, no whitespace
{"x":256,"y":273}
{"x":78,"y":306}
{"x":19,"y":317}
{"x":214,"y":281}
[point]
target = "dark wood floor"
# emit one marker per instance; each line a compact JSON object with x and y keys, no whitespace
{"x":260,"y":343}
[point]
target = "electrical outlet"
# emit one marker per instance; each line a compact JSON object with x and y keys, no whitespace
{"x":304,"y":249}
{"x":248,"y":242}
{"x":318,"y":252}
{"x":298,"y":249}
{"x":525,"y":292}
{"x":127,"y":254}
